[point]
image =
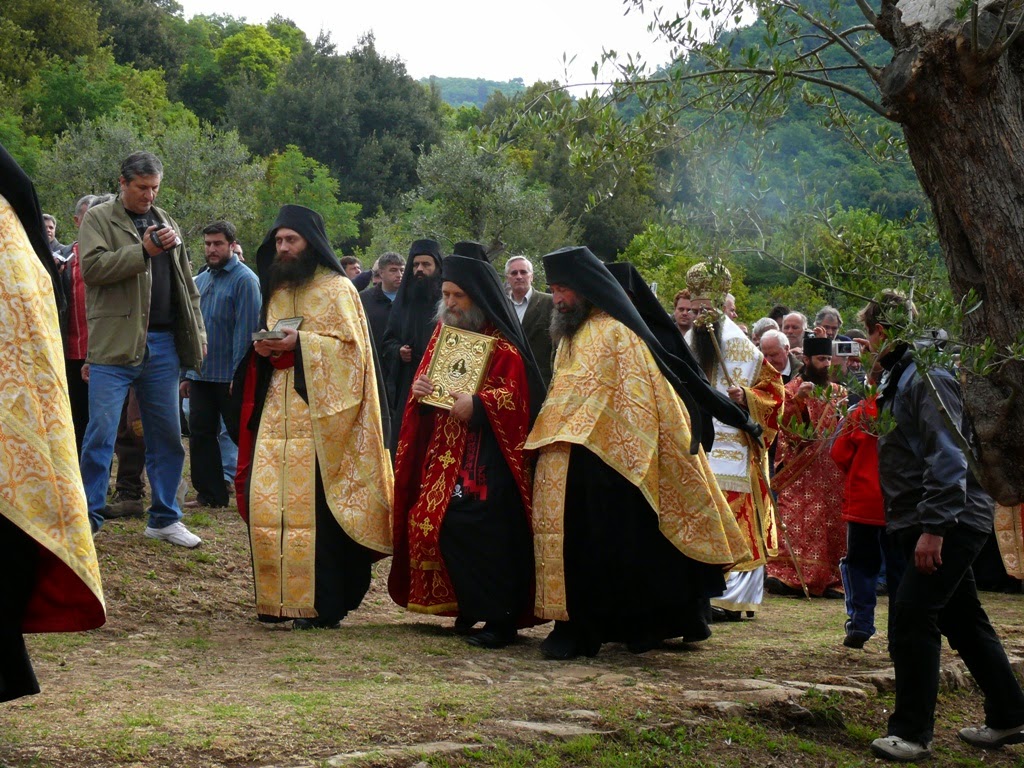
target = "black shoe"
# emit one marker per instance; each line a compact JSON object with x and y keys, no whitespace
{"x":722,"y":614}
{"x":776,"y":586}
{"x":855,"y":639}
{"x":317,"y":623}
{"x":464,"y":625}
{"x":833,"y":594}
{"x":123,"y":507}
{"x":643,"y":645}
{"x":560,"y":644}
{"x":494,"y":636}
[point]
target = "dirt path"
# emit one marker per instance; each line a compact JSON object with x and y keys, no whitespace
{"x":183,"y":675}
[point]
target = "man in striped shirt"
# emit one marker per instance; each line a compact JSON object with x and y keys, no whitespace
{"x":229,"y":299}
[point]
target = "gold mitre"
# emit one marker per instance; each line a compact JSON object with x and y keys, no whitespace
{"x":708,"y":281}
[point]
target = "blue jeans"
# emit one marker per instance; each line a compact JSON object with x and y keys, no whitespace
{"x":228,"y":454}
{"x":868,"y":552}
{"x":156,"y":387}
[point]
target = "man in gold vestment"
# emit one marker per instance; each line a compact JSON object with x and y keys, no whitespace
{"x":314,"y":480}
{"x":631,"y":532}
{"x":49,"y":576}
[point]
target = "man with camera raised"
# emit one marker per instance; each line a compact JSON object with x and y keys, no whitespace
{"x":142,"y":309}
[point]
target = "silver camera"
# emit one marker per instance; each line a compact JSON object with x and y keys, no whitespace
{"x":846,"y":348}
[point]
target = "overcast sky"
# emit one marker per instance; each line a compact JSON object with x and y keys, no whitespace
{"x":458,"y":38}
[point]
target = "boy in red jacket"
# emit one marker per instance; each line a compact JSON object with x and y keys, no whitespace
{"x":855,"y":450}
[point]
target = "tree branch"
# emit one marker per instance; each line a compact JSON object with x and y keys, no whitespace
{"x":1017,"y":30}
{"x":868,"y":12}
{"x":872,"y":71}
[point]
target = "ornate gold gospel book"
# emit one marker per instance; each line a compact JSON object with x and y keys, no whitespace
{"x":459,"y":364}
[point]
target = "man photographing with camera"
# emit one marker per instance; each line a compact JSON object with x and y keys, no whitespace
{"x":144,"y":322}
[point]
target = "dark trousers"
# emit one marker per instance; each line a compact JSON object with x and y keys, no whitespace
{"x":868,"y":551}
{"x":18,"y":567}
{"x":78,"y":394}
{"x":207,"y":402}
{"x":922,"y":609}
{"x":130,"y":449}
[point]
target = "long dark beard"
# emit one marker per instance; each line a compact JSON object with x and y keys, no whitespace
{"x":424,"y":290}
{"x":704,"y":348}
{"x":292,"y":273}
{"x":817,"y":376}
{"x":472,"y":319}
{"x":564,"y":324}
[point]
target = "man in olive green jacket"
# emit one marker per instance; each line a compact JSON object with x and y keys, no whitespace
{"x":142,"y":308}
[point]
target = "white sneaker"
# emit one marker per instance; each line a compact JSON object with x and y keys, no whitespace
{"x":992,"y":738}
{"x":175,"y":533}
{"x":900,"y":750}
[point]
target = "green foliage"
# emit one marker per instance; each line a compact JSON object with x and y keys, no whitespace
{"x":285,"y":31}
{"x":470,"y":194}
{"x":145,"y":34}
{"x":24,"y":148}
{"x":253,"y":54}
{"x":37,"y":31}
{"x":208,"y":173}
{"x":294,"y":178}
{"x":472,"y":92}
{"x":359,"y":114}
{"x":664,"y":252}
{"x":67,"y":92}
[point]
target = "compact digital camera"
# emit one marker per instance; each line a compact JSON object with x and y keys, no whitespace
{"x":846,"y":348}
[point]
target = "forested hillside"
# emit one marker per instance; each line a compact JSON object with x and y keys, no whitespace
{"x":471,"y":92}
{"x":249,"y":116}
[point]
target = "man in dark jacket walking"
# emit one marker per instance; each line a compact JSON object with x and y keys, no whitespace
{"x":940,"y":518}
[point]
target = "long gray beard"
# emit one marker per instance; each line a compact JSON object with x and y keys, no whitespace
{"x":472,"y":319}
{"x":704,"y":348}
{"x":565,"y":324}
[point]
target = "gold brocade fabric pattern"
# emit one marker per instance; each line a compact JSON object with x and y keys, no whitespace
{"x":810,"y":489}
{"x":41,"y":487}
{"x":1009,"y":530}
{"x":756,"y":512}
{"x":608,"y":395}
{"x":340,"y":429}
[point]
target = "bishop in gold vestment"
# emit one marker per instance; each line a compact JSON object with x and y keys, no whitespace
{"x":314,"y":480}
{"x":49,"y":576}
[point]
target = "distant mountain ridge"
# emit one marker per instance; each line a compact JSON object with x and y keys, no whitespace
{"x":468,"y":91}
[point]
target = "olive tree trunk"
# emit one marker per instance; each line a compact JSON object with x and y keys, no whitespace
{"x":963,"y":117}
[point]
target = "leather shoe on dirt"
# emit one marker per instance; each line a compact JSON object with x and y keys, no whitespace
{"x":317,"y":623}
{"x":464,"y":625}
{"x":855,"y":639}
{"x":723,"y":614}
{"x":123,"y":507}
{"x":992,"y":738}
{"x":492,"y":636}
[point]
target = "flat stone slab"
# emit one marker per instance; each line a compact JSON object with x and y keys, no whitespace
{"x":561,"y":730}
{"x":843,"y":690}
{"x":411,"y":750}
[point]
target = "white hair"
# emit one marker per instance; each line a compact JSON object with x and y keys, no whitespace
{"x":778,"y":335}
{"x":762,"y":325}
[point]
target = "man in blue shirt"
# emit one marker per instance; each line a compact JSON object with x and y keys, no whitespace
{"x":229,"y":299}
